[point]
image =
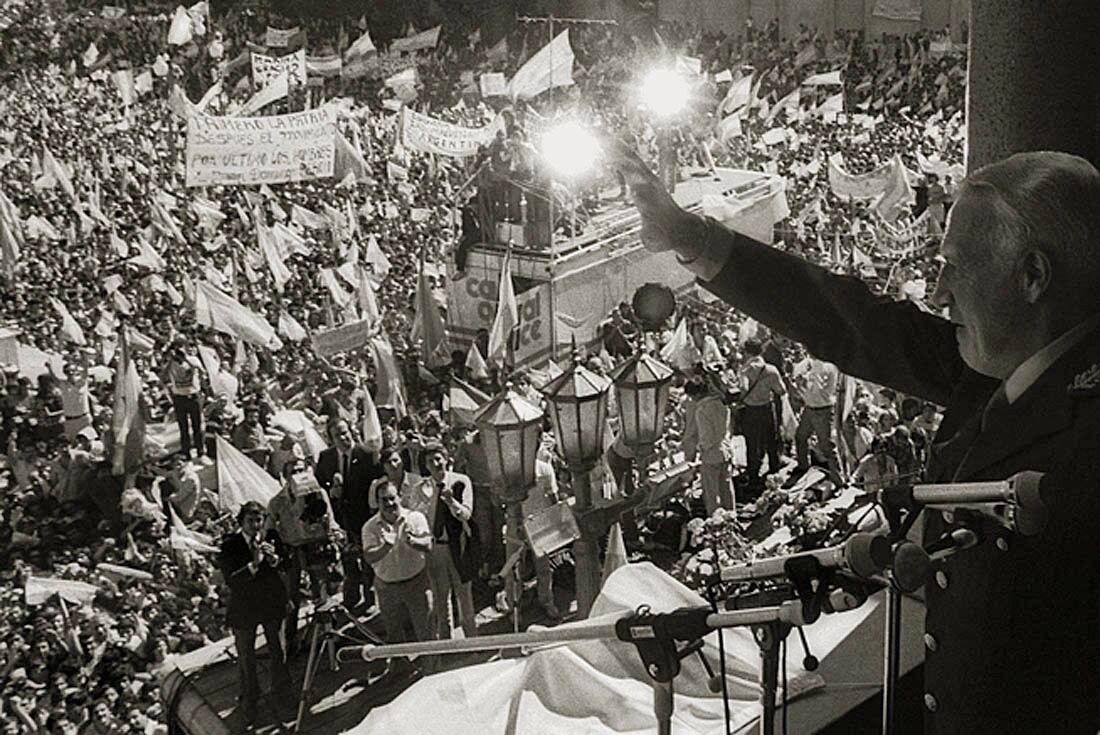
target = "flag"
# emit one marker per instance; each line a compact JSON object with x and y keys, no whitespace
{"x":729,"y":128}
{"x":273,"y":91}
{"x":371,"y":430}
{"x":739,"y":95}
{"x":218,"y":310}
{"x":179,"y":32}
{"x":834,"y":105}
{"x":499,"y":51}
{"x":428,"y":324}
{"x":70,"y":329}
{"x":127,"y":420}
{"x":679,"y":350}
{"x":551,"y":66}
{"x":897,"y":195}
{"x":616,"y":552}
{"x":209,"y":214}
{"x":11,"y":234}
{"x":182,"y":538}
{"x":464,"y":401}
{"x":164,"y":221}
{"x":241,"y":480}
{"x":362,"y":46}
{"x":391,"y":391}
{"x":280,"y":274}
{"x":507,"y":316}
{"x":124,"y":81}
{"x":349,"y":162}
{"x":376,"y":258}
{"x":54,"y":170}
{"x":307,"y":218}
{"x":147,"y":257}
{"x":368,"y":305}
{"x":837,"y":255}
{"x":290,"y":328}
{"x":475,"y":364}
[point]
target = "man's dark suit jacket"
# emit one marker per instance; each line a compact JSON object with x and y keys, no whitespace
{"x":351,"y":508}
{"x":253,"y":598}
{"x":1015,"y":621}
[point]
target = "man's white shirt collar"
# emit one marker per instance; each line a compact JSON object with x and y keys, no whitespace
{"x":1031,"y":369}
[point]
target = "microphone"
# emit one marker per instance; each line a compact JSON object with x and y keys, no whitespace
{"x":912,"y":564}
{"x":1021,"y":490}
{"x":1015,"y":503}
{"x":864,"y":555}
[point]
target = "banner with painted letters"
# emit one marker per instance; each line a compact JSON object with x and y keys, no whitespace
{"x":280,"y":37}
{"x":346,"y":338}
{"x":423,"y":133}
{"x":266,"y":69}
{"x":259,"y":150}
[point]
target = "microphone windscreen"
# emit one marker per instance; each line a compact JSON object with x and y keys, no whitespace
{"x":714,"y":684}
{"x":867,"y":554}
{"x":1026,"y":485}
{"x":911,"y":566}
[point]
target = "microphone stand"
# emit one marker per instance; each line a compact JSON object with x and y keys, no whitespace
{"x":657,"y":638}
{"x":663,"y":640}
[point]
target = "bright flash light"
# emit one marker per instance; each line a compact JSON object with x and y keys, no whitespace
{"x":569,"y":148}
{"x":664,"y":92}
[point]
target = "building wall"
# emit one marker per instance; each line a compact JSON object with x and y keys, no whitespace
{"x":826,"y":15}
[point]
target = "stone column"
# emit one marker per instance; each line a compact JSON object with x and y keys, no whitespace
{"x":1034,"y":79}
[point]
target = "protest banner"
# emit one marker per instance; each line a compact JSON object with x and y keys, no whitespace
{"x":858,"y":186}
{"x":493,"y":84}
{"x":256,"y":150}
{"x":266,"y":69}
{"x":342,"y":339}
{"x":281,"y":37}
{"x":422,"y":40}
{"x":423,"y":133}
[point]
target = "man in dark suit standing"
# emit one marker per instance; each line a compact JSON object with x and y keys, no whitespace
{"x":248,"y":561}
{"x":1010,"y":631}
{"x":346,"y":470}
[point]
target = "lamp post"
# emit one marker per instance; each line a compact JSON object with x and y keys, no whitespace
{"x":578,"y":403}
{"x":511,"y":429}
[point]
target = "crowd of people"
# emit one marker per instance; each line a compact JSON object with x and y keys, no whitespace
{"x":112,"y":243}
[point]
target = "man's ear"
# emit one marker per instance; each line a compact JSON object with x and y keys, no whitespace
{"x":1036,"y":272}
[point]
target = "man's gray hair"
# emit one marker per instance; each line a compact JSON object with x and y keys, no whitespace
{"x":1050,"y":201}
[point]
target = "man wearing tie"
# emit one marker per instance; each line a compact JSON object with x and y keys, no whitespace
{"x":249,"y":562}
{"x":346,"y":470}
{"x":446,"y":499}
{"x":1010,"y":630}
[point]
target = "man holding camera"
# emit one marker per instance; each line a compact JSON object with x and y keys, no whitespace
{"x":249,"y":560}
{"x":303,"y":517}
{"x":346,"y":470}
{"x":181,"y":379}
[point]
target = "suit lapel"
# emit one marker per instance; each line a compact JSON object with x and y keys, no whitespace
{"x":1044,"y":409}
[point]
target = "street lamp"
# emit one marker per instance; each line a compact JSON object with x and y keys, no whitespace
{"x":578,"y":402}
{"x":511,"y":431}
{"x":641,"y":386}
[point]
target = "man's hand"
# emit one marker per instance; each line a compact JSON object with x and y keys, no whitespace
{"x":389,"y":538}
{"x":665,"y":226}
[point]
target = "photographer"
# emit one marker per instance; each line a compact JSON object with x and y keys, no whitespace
{"x":302,"y":515}
{"x":249,"y":561}
{"x":182,"y":379}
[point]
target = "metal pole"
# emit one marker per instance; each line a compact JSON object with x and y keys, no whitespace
{"x":585,"y":549}
{"x":892,"y":659}
{"x":514,"y":529}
